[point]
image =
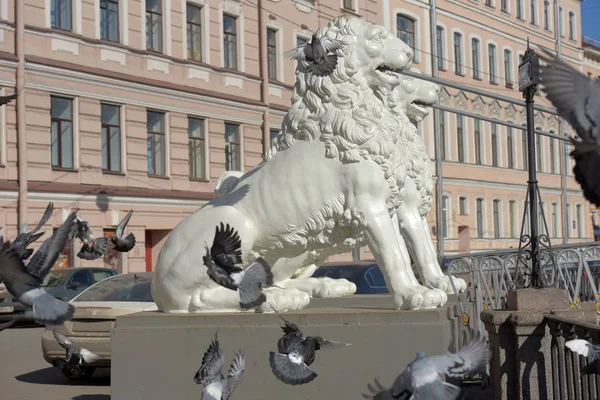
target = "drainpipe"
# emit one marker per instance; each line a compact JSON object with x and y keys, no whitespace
{"x":564,"y":155}
{"x":264,"y":74}
{"x":21,"y":125}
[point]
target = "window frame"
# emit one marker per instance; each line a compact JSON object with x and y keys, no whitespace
{"x":495,"y":148}
{"x":458,"y":52}
{"x":117,"y":20}
{"x":108,"y":148}
{"x":410,"y":34}
{"x":440,"y":32}
{"x":189,"y":29}
{"x":492,"y":63}
{"x":496,"y":218}
{"x":59,"y":122}
{"x":228,"y":151}
{"x":230,"y":37}
{"x":193,"y":143}
{"x":478,"y":145}
{"x":460,"y":138}
{"x":149,"y":36}
{"x":273,"y":71}
{"x":508,"y":72}
{"x":475,"y":58}
{"x":480,"y":217}
{"x":163,"y":133}
{"x":510,"y":150}
{"x":58,"y":20}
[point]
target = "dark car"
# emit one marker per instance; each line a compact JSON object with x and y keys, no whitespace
{"x":366,"y":276}
{"x":64,"y":284}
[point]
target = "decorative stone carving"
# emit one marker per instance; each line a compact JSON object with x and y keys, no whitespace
{"x":495,"y":109}
{"x":305,"y":6}
{"x":511,"y":113}
{"x":445,"y":97}
{"x":478,"y":105}
{"x":273,"y":206}
{"x":539,"y":119}
{"x":232,"y":6}
{"x":461,"y":101}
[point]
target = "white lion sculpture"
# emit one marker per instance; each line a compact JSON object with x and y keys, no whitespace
{"x":335,"y":181}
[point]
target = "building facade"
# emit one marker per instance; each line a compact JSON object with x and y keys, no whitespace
{"x":143,"y":104}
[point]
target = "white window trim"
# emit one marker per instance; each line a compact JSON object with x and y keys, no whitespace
{"x":75,"y":116}
{"x":492,"y":3}
{"x":165,"y":26}
{"x":558,"y":220}
{"x":514,"y":163}
{"x":466,"y":197}
{"x":448,"y":221}
{"x":500,"y":218}
{"x":205,"y":18}
{"x":522,"y":11}
{"x":561,"y":17}
{"x":487,"y":52}
{"x":123,"y":124}
{"x":241,"y":134}
{"x":508,"y":7}
{"x":166,"y":125}
{"x":354,"y":6}
{"x":536,"y":19}
{"x":498,"y":144}
{"x":4,"y":10}
{"x":239,"y":22}
{"x":279,"y":43}
{"x":462,"y":52}
{"x":550,"y":15}
{"x":571,"y":12}
{"x":444,"y":45}
{"x":483,"y":218}
{"x":515,"y":218}
{"x":76,"y":15}
{"x":123,"y":21}
{"x":417,"y":22}
{"x":207,"y":151}
{"x":465,"y":134}
{"x":480,"y":54}
{"x":512,"y":65}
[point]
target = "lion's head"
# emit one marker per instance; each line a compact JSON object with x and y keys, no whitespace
{"x":414,"y":97}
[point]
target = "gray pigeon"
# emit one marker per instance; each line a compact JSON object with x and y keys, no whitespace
{"x":421,"y":379}
{"x":577,"y":99}
{"x":217,"y":387}
{"x":221,"y":260}
{"x":7,"y":325}
{"x":24,"y":282}
{"x":20,"y":244}
{"x":316,"y":52}
{"x":76,"y":357}
{"x":585,"y":348}
{"x":123,"y":244}
{"x":296,"y":353}
{"x":93,"y":247}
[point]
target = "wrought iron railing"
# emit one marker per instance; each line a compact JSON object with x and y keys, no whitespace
{"x":491,"y":274}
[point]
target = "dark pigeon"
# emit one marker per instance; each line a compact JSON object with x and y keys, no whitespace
{"x":123,"y":244}
{"x":93,"y":247}
{"x":295,"y":353}
{"x":217,"y":387}
{"x":24,"y":282}
{"x":585,"y":348}
{"x":7,"y":325}
{"x":75,"y":358}
{"x":577,"y":99}
{"x":316,"y":52}
{"x":421,"y":379}
{"x":221,"y":260}
{"x":20,"y":244}
{"x":7,"y":99}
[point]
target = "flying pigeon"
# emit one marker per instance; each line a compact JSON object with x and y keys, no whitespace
{"x":123,"y":244}
{"x":20,"y":244}
{"x":295,"y":353}
{"x":217,"y":387}
{"x":316,"y":53}
{"x":577,"y":99}
{"x":7,"y":325}
{"x":24,"y":282}
{"x":584,"y":348}
{"x":93,"y":247}
{"x":75,"y":357}
{"x":421,"y":379}
{"x":220,"y":260}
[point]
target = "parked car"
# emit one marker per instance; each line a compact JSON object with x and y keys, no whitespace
{"x":96,"y":310}
{"x":64,"y":284}
{"x":365,"y":275}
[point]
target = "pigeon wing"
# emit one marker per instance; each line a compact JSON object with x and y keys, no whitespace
{"x":226,"y":249}
{"x":575,"y":96}
{"x":7,"y":325}
{"x":7,"y":99}
{"x":436,"y":390}
{"x":587,"y":165}
{"x":64,"y":341}
{"x":43,"y":260}
{"x":474,"y":356}
{"x":88,"y":357}
{"x":45,"y":218}
{"x":378,"y":392}
{"x":295,"y":54}
{"x":124,"y":244}
{"x":95,"y":252}
{"x":13,"y":271}
{"x":331,"y":45}
{"x":212,"y":363}
{"x":290,"y":369}
{"x":584,"y":348}
{"x":121,"y":227}
{"x":324,"y":344}
{"x":235,"y":373}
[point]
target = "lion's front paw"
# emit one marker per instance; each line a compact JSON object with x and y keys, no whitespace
{"x":419,"y":298}
{"x":284,"y":299}
{"x":443,"y":283}
{"x":433,"y":297}
{"x":329,"y":287}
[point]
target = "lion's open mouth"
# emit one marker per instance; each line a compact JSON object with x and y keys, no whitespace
{"x":419,"y":108}
{"x":387,"y":70}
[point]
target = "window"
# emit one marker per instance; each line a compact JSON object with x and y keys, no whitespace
{"x":494,"y":144}
{"x":546,"y":15}
{"x":533,"y":4}
{"x":194,"y":32}
{"x":504,"y":6}
{"x":520,"y":9}
{"x":154,"y":25}
{"x":508,"y":68}
{"x":440,"y":47}
{"x":569,"y":220}
{"x":541,"y":209}
{"x":445,"y":216}
{"x":155,"y":141}
{"x":61,"y":111}
{"x":460,"y":138}
{"x":554,"y":220}
{"x":552,"y":155}
{"x":232,"y":148}
{"x":273,"y":134}
{"x":489,"y":3}
{"x":457,"y":53}
{"x":98,"y":275}
{"x":348,"y":5}
{"x":111,"y":137}
{"x":477,"y":135}
{"x":479,"y":218}
{"x":441,"y":128}
{"x":524,"y":149}
{"x":230,"y":41}
{"x":496,"y":206}
{"x":572,"y":26}
{"x":475,"y":58}
{"x":82,"y":278}
{"x":538,"y":145}
{"x":492,"y":62}
{"x":560,"y":22}
{"x":405,"y":27}
{"x":512,"y":215}
{"x":272,"y":52}
{"x":196,"y":148}
{"x":109,"y":20}
{"x":579,"y":220}
{"x":510,"y":147}
{"x":462,"y":205}
{"x":61,"y":14}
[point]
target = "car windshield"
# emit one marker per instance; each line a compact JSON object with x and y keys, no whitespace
{"x":126,"y":287}
{"x":55,"y":278}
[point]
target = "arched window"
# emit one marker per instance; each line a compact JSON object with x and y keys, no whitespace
{"x":571,"y":25}
{"x":520,"y":9}
{"x":546,"y":15}
{"x":533,"y":11}
{"x":475,"y":58}
{"x":508,"y":68}
{"x":492,"y":62}
{"x":440,"y":47}
{"x":458,"y":53}
{"x":405,"y":30}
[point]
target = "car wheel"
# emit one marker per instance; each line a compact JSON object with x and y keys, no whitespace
{"x":88,"y":371}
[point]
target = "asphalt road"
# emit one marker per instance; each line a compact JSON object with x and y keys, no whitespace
{"x":25,"y":375}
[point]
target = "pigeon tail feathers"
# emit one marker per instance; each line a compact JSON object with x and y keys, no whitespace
{"x":324,"y":67}
{"x":290,"y":372}
{"x":437,"y":390}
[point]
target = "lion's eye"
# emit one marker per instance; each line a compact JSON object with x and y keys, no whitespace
{"x":377,"y":38}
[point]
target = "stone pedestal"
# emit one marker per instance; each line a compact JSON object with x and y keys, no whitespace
{"x":520,"y":342}
{"x":155,"y":355}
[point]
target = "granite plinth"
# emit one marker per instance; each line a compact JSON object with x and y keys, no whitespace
{"x":155,"y":355}
{"x":537,"y":299}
